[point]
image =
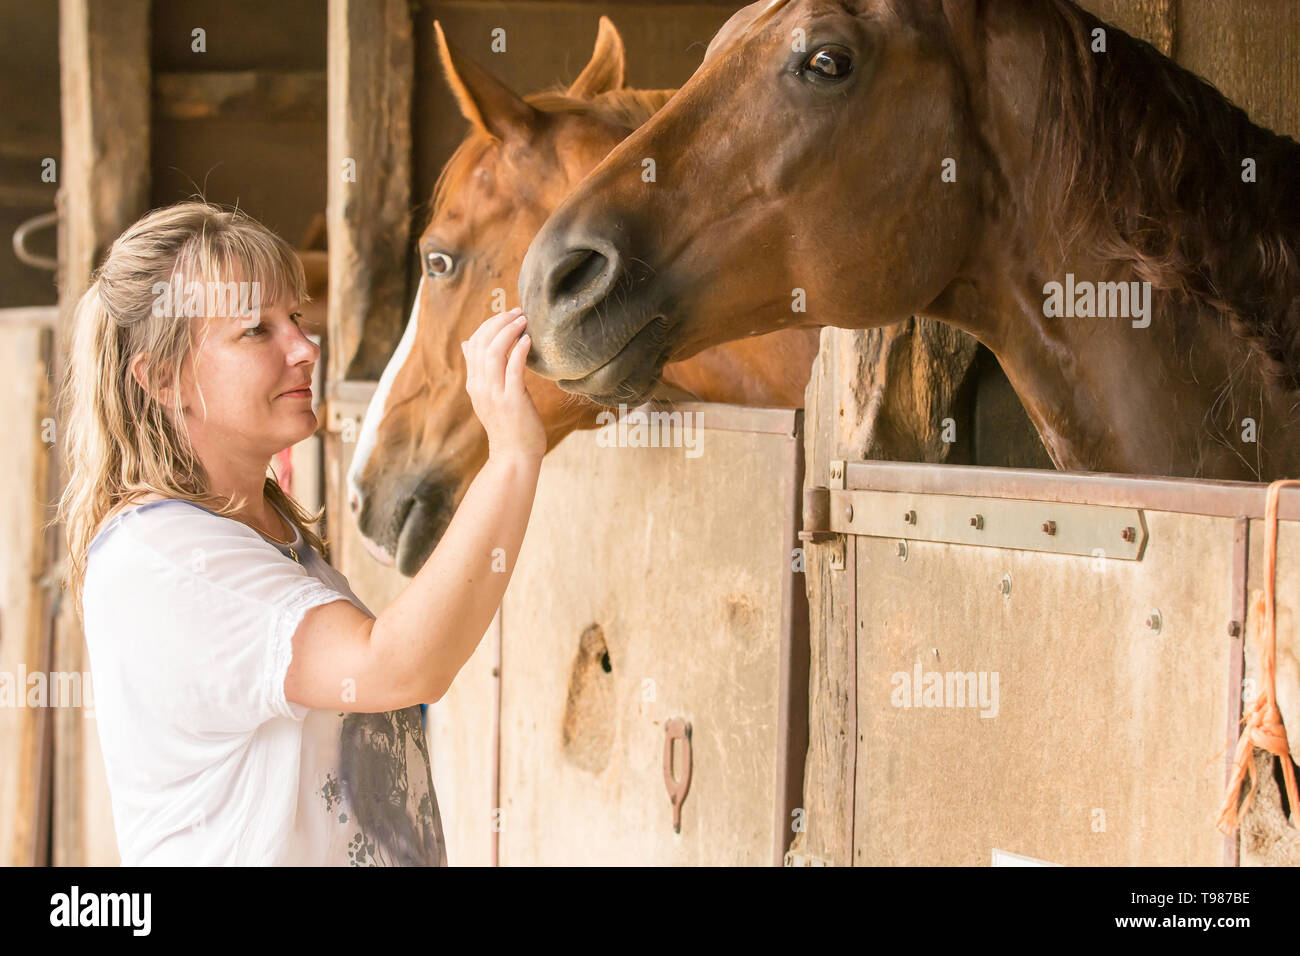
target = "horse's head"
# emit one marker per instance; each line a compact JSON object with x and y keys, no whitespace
{"x":421,"y":444}
{"x":818,"y":168}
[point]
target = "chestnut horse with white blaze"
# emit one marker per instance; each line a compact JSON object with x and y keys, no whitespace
{"x":1124,"y":239}
{"x":420,"y":444}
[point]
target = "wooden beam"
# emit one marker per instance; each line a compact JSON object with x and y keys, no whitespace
{"x":371,"y":73}
{"x":104,"y":67}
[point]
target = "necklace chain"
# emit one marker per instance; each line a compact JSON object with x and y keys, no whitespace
{"x":283,"y":544}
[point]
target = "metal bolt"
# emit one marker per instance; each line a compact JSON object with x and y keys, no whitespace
{"x":1234,"y":628}
{"x":909,"y":517}
{"x":1049,"y":527}
{"x":848,"y":512}
{"x":901,"y":550}
{"x":1129,"y":534}
{"x":977,"y":522}
{"x":1153,"y":621}
{"x":1005,"y":585}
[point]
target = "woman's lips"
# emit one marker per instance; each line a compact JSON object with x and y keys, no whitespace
{"x":298,"y":393}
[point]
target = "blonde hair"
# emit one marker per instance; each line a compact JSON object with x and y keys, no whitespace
{"x":118,"y":441}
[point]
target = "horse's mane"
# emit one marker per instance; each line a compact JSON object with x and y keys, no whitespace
{"x":1142,"y":161}
{"x":626,"y":107}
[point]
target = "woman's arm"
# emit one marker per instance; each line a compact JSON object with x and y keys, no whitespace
{"x":413,"y":651}
{"x":435,"y":624}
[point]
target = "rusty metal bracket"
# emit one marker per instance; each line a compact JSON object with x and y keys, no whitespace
{"x":817,"y":517}
{"x":676,"y":729}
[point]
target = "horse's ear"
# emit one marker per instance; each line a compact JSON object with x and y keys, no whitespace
{"x":484,"y":100}
{"x":605,"y":71}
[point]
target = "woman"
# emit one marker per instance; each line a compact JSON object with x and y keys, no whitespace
{"x":250,"y":708}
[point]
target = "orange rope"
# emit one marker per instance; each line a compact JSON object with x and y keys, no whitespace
{"x":1263,"y":720}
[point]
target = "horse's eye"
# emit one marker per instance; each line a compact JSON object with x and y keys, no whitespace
{"x":831,"y":62}
{"x":437,"y":264}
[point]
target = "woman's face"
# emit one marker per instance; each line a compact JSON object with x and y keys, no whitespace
{"x":246,"y":368}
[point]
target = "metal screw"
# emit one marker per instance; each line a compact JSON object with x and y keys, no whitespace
{"x":1049,"y":527}
{"x":1234,"y":628}
{"x":1005,"y":585}
{"x":1128,"y":534}
{"x":901,"y":550}
{"x":910,"y":517}
{"x":848,"y":512}
{"x":1153,"y":621}
{"x":977,"y":522}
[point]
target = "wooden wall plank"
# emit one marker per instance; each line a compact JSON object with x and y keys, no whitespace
{"x":1250,"y":51}
{"x":1150,"y":20}
{"x":24,"y":600}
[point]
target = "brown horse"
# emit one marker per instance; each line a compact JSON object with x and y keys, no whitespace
{"x":420,"y":444}
{"x":1122,"y":237}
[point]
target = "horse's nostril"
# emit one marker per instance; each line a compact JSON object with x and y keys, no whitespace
{"x":578,"y":270}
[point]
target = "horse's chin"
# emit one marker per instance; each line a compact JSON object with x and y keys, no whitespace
{"x":629,"y":376}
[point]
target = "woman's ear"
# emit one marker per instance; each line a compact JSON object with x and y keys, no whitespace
{"x":163,"y":394}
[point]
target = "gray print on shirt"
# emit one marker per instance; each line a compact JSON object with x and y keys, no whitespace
{"x":397,"y":816}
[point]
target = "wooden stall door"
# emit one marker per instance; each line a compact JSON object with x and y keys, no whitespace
{"x":657,"y":589}
{"x":1120,"y":672}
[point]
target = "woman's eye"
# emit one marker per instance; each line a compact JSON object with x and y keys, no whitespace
{"x":830,"y":62}
{"x":437,"y":264}
{"x":260,"y":329}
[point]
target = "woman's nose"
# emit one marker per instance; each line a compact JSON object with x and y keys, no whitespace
{"x":304,"y":347}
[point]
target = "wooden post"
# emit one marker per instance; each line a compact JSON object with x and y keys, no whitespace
{"x":371,"y":67}
{"x":104,"y":65}
{"x":371,"y":72}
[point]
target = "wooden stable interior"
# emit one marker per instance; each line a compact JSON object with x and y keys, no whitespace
{"x":298,"y":89}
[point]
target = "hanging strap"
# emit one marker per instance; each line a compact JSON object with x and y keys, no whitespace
{"x":1263,"y":721}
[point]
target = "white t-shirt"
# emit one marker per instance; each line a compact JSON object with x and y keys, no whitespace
{"x":190,"y":618}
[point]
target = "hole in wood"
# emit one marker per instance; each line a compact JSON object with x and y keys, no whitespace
{"x":587,"y":733}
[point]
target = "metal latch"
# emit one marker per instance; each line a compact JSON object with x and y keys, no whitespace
{"x":1095,"y":531}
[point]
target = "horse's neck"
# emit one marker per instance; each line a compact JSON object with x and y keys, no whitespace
{"x":1180,"y":397}
{"x":1172,"y":398}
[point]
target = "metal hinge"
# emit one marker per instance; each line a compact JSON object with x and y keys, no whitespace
{"x":1095,"y":531}
{"x":816,"y":516}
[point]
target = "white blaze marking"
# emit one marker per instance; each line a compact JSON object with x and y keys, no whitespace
{"x":375,"y":410}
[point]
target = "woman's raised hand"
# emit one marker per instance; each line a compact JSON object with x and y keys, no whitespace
{"x":494,"y":357}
